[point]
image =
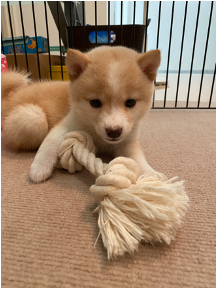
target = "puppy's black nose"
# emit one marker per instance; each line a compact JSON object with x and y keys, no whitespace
{"x":114,"y":132}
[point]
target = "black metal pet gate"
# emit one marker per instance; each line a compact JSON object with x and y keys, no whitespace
{"x":74,"y":33}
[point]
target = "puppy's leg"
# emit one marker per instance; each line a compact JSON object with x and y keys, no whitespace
{"x":134,"y":151}
{"x":47,"y":155}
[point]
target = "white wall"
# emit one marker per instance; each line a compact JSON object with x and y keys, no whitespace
{"x":101,"y":12}
{"x":128,"y":12}
{"x":179,"y":10}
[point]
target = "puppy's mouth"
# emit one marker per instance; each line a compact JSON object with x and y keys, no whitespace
{"x":113,"y":140}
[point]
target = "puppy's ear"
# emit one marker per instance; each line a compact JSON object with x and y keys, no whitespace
{"x":149,"y":63}
{"x":76,"y":63}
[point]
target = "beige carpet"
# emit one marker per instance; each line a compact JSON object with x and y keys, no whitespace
{"x":49,"y":230}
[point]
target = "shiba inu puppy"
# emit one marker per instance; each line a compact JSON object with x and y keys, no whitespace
{"x":110,"y":90}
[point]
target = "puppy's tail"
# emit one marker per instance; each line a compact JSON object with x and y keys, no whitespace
{"x":25,"y":127}
{"x":11,"y":81}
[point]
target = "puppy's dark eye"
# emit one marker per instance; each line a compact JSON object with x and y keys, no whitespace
{"x":95,"y":103}
{"x":130,"y":103}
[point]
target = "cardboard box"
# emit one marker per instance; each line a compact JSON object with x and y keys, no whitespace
{"x":33,"y":63}
{"x":20,"y":47}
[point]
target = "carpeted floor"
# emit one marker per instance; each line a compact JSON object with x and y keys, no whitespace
{"x":49,"y":230}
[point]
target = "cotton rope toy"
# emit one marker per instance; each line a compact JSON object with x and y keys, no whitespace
{"x":132,"y":208}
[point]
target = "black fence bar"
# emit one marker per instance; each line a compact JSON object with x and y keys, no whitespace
{"x":134,"y":18}
{"x":23,"y":30}
{"x":204,"y":60}
{"x":83,"y":10}
{"x":96,"y":23}
{"x":121,"y":23}
{"x":167,"y":72}
{"x":71,"y":24}
{"x":38,"y":61}
{"x":2,"y":44}
{"x":180,"y":60}
{"x":75,"y":15}
{"x":145,"y":43}
{"x":48,"y":43}
{"x":194,"y":45}
{"x":108,"y":22}
{"x":212,"y":88}
{"x":159,"y":14}
{"x":11,"y":28}
{"x":59,"y":3}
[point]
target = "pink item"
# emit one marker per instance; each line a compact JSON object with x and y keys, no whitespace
{"x":4,"y":66}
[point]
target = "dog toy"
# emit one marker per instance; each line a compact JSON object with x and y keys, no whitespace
{"x":4,"y":68}
{"x":132,"y":208}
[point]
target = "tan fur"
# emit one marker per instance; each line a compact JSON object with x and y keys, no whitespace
{"x":112,"y":75}
{"x":76,"y":64}
{"x":10,"y":82}
{"x":25,"y":127}
{"x":148,"y":63}
{"x":48,"y":102}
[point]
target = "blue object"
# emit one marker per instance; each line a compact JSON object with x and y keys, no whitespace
{"x":20,"y":47}
{"x":102,"y":37}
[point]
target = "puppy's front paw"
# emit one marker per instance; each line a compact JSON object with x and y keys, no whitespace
{"x":145,"y":168}
{"x":40,"y":173}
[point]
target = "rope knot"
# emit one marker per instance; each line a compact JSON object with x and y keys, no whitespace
{"x":121,"y":173}
{"x":66,"y":150}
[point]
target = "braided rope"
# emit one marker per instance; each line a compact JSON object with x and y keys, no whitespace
{"x":132,"y":208}
{"x":77,"y":149}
